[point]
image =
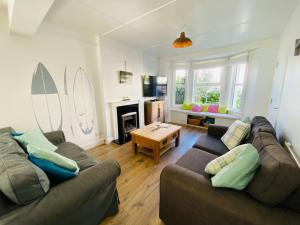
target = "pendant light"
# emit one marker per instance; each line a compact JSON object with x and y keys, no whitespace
{"x":182,"y":41}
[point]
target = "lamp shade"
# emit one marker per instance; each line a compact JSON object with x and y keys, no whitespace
{"x":182,"y":41}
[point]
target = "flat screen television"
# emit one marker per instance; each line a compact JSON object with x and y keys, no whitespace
{"x":154,"y":86}
{"x":149,"y":86}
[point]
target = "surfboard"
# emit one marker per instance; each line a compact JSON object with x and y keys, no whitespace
{"x":45,"y":100}
{"x":83,"y":99}
{"x":67,"y":102}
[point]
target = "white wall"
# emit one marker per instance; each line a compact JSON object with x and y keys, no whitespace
{"x":286,"y":89}
{"x":262,"y":60}
{"x":113,"y":55}
{"x":19,"y":59}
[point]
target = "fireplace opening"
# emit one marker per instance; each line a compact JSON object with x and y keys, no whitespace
{"x":128,"y":120}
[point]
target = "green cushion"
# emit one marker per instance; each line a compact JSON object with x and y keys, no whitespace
{"x":53,"y":157}
{"x":187,"y":106}
{"x":205,"y":108}
{"x":222,"y":109}
{"x":21,"y":181}
{"x":240,"y":172}
{"x":37,"y":139}
{"x":214,"y":166}
{"x":247,"y":120}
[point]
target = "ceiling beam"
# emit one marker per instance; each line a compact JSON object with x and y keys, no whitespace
{"x":25,"y":16}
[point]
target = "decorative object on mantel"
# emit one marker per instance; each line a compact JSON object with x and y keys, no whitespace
{"x":182,"y":41}
{"x":125,"y":98}
{"x":125,"y":77}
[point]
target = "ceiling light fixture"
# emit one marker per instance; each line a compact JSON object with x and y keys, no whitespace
{"x":182,"y":41}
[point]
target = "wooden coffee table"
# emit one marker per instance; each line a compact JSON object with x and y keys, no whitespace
{"x":156,"y":139}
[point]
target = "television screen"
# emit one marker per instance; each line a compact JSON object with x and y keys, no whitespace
{"x":149,"y":86}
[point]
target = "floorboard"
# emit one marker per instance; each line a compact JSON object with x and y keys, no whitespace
{"x":138,"y":184}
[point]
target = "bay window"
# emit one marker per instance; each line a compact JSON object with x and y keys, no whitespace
{"x":180,"y":86}
{"x":219,"y":81}
{"x":207,"y":85}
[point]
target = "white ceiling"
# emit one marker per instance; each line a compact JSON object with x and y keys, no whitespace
{"x":152,"y":25}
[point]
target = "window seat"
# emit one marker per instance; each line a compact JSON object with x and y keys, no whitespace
{"x":215,"y":115}
{"x":180,"y":116}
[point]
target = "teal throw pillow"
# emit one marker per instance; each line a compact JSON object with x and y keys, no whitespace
{"x":35,"y":138}
{"x":55,"y":173}
{"x":240,"y":172}
{"x":53,"y":157}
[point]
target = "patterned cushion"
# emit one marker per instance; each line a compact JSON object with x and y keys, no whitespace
{"x":217,"y":164}
{"x":235,"y":134}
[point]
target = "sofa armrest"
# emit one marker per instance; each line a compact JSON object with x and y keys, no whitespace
{"x":216,"y":130}
{"x":56,"y":137}
{"x":187,"y":197}
{"x":84,"y":199}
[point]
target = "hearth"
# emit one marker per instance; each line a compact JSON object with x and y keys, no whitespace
{"x":128,"y":120}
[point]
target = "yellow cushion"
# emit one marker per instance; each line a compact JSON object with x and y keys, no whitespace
{"x":205,"y":108}
{"x":217,"y":164}
{"x":222,"y":109}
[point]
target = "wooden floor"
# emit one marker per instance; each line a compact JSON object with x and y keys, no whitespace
{"x":138,"y":184}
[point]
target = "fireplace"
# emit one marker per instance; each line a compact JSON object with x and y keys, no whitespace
{"x":128,"y":120}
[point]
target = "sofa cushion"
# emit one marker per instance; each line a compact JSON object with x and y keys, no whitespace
{"x":196,"y":160}
{"x":278,"y":175}
{"x":37,"y":139}
{"x":239,"y":173}
{"x":211,"y":144}
{"x":263,"y":139}
{"x":217,"y":164}
{"x":235,"y":134}
{"x":259,"y":124}
{"x":53,"y":157}
{"x":77,"y":154}
{"x":21,"y":181}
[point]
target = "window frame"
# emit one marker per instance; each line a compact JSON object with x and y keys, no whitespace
{"x":186,"y":86}
{"x":227,"y":83}
{"x":233,"y":84}
{"x":221,"y":83}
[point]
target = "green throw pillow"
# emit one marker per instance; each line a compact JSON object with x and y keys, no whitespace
{"x":37,"y":139}
{"x":222,"y":109}
{"x":187,"y":106}
{"x":247,"y":120}
{"x":53,"y":157}
{"x":240,"y":172}
{"x":214,"y":166}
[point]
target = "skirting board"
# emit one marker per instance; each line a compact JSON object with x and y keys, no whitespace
{"x":93,"y":144}
{"x":108,"y":140}
{"x":288,"y":146}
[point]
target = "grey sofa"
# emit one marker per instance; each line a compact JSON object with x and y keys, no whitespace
{"x":271,"y":198}
{"x":84,"y":200}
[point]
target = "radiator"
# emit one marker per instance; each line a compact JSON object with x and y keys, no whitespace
{"x":288,"y":147}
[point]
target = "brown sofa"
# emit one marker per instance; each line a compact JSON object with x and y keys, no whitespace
{"x":271,"y":198}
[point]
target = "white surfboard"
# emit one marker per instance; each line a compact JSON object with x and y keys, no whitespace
{"x":83,"y":99}
{"x":45,"y":100}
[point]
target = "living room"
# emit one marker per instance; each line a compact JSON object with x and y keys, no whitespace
{"x":149,"y":112}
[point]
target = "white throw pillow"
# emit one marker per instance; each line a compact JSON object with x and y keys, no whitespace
{"x":235,"y":134}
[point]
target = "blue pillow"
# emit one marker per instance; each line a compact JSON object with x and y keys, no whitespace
{"x":55,"y":173}
{"x":16,"y":134}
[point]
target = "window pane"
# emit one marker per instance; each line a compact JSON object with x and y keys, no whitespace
{"x":212,"y":75}
{"x":241,"y":72}
{"x":237,"y":94}
{"x":207,"y":94}
{"x":181,"y":76}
